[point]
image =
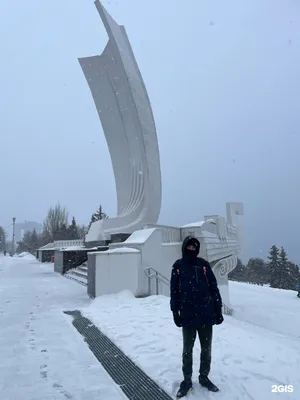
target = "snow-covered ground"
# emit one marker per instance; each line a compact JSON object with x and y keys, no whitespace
{"x":258,"y":349}
{"x":26,"y":256}
{"x":42,"y":356}
{"x":273,"y":309}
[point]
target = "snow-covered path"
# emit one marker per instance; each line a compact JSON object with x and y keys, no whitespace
{"x":42,"y":355}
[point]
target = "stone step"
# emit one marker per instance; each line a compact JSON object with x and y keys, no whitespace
{"x":82,"y":268}
{"x":78,"y":272}
{"x":77,"y":279}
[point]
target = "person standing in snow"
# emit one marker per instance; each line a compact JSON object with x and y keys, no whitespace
{"x":298,"y":289}
{"x":196,"y":304}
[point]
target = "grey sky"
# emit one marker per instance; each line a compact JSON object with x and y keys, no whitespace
{"x":223,"y":79}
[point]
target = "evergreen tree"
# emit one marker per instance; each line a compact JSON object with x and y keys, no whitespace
{"x":279,"y":267}
{"x":63,"y":233}
{"x":2,"y":239}
{"x":73,"y":230}
{"x":287,"y":267}
{"x":283,"y":257}
{"x":274,"y":266}
{"x":294,"y":273}
{"x":239,"y":272}
{"x":98,"y":215}
{"x":257,"y":271}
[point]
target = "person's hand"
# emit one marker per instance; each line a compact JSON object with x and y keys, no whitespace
{"x":219,"y":319}
{"x":177,"y":319}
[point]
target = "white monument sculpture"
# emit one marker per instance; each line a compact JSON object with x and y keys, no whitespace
{"x":125,"y":112}
{"x":142,"y":263}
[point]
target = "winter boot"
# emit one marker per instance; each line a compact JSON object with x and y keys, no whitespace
{"x":205,"y":382}
{"x":185,"y":387}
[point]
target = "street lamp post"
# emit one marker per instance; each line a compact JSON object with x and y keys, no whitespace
{"x":13,"y":238}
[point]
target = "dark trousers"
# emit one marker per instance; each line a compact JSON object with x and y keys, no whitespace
{"x":189,"y":337}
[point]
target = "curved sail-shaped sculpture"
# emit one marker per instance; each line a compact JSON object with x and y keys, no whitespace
{"x":125,"y":112}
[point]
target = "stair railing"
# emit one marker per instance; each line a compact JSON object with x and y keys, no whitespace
{"x":151,"y":274}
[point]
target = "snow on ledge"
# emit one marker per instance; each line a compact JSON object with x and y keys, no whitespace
{"x":196,"y":224}
{"x":72,"y":248}
{"x":121,"y":250}
{"x":141,"y":236}
{"x":118,"y":250}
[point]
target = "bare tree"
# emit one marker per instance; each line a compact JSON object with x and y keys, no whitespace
{"x":82,"y":231}
{"x":55,"y":222}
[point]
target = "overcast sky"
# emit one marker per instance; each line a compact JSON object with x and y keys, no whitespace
{"x":223,"y":79}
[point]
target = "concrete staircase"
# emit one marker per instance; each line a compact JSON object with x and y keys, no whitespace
{"x":79,"y":274}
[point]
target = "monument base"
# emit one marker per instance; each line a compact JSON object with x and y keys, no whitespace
{"x":143,"y":262}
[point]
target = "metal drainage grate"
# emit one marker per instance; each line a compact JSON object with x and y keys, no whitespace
{"x":132,"y":380}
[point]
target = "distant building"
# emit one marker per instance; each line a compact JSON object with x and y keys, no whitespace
{"x":22,"y":227}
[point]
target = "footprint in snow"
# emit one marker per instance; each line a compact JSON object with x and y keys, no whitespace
{"x":238,"y":361}
{"x":44,"y":371}
{"x":62,"y":391}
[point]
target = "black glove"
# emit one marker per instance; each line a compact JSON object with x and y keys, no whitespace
{"x":219,"y":319}
{"x":177,"y":319}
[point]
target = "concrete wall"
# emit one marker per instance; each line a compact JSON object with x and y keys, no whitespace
{"x":91,"y":279}
{"x":59,"y":262}
{"x":170,"y":253}
{"x":117,"y":270}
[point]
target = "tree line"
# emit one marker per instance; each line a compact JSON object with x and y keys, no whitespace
{"x":277,"y":272}
{"x":2,"y":239}
{"x":56,"y":226}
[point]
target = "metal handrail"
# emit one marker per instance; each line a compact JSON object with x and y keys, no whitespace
{"x":152,"y":273}
{"x":227,"y":310}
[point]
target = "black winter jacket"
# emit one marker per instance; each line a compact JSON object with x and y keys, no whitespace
{"x":194,"y":290}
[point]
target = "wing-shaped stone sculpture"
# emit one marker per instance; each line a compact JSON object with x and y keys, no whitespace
{"x":126,"y":115}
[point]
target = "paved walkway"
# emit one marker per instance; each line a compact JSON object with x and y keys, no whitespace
{"x":42,"y":356}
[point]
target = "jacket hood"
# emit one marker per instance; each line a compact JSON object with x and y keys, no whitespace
{"x":190,"y":240}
